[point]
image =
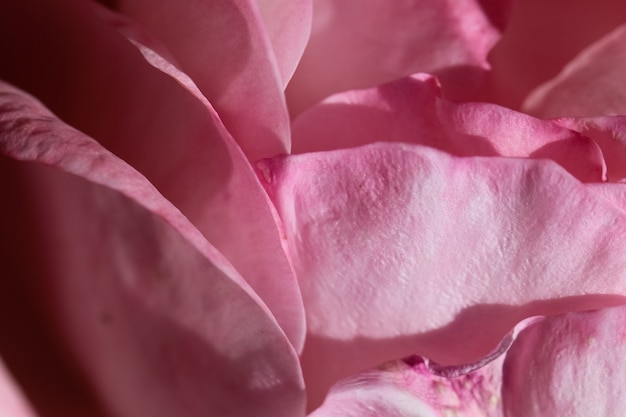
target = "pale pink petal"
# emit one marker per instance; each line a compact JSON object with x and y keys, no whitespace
{"x":592,"y":84}
{"x":157,"y":318}
{"x":288,"y":24}
{"x":223,"y":46}
{"x":542,"y":37}
{"x":12,"y":401}
{"x":369,"y":42}
{"x":161,"y":125}
{"x":402,"y":249}
{"x":572,"y":365}
{"x":412,"y":110}
{"x":408,"y":388}
{"x":610,"y":134}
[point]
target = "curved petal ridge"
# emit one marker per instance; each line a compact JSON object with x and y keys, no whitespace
{"x":150,"y":114}
{"x":12,"y":402}
{"x":245,"y":87}
{"x":568,"y":365}
{"x":359,"y":45}
{"x":413,"y":110}
{"x":403,"y":249}
{"x":147,"y":305}
{"x":589,"y":85}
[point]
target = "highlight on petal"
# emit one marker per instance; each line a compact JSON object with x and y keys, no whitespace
{"x":223,"y":46}
{"x":12,"y":402}
{"x":407,"y":388}
{"x":151,"y":115}
{"x":413,"y":110}
{"x":157,"y":318}
{"x":592,"y":84}
{"x":540,"y":39}
{"x":610,"y":135}
{"x":288,"y":25}
{"x":570,"y":365}
{"x":401,"y":249}
{"x":366,"y":43}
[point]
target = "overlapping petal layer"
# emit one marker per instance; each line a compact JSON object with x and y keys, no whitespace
{"x":403,"y":249}
{"x":571,"y":365}
{"x":541,"y":38}
{"x":288,"y":25}
{"x":592,"y":84}
{"x":12,"y":402}
{"x":407,"y":388}
{"x":223,"y":46}
{"x":149,"y":308}
{"x":152,"y":116}
{"x":362,"y":44}
{"x":610,"y":134}
{"x":412,"y":110}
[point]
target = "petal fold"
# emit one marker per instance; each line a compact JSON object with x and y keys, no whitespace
{"x":12,"y":402}
{"x":151,"y":115}
{"x":407,"y":388}
{"x":223,"y":46}
{"x":288,"y":24}
{"x":540,"y":39}
{"x":360,"y":45}
{"x":592,"y":84}
{"x":571,"y":365}
{"x":413,"y":110}
{"x":402,"y":249}
{"x":150,"y":310}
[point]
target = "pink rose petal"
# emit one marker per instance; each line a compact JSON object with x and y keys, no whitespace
{"x":161,"y":125}
{"x":541,"y":37}
{"x":369,"y":42}
{"x":12,"y":402}
{"x":413,"y":110}
{"x":592,"y":84}
{"x":407,"y":388}
{"x":402,"y":249}
{"x":288,"y":24}
{"x":610,"y":134}
{"x":222,"y":45}
{"x":157,"y":318}
{"x":572,"y":365}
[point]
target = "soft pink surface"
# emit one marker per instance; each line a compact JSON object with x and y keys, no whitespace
{"x":402,"y":249}
{"x":592,"y":84}
{"x":148,"y":307}
{"x":610,"y":134}
{"x":572,"y":365}
{"x":12,"y":402}
{"x":413,"y":110}
{"x":541,"y":38}
{"x":288,"y":25}
{"x":162,"y":126}
{"x":365,"y":43}
{"x":223,"y":46}
{"x":407,"y":388}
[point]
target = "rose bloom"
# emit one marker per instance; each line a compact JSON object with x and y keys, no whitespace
{"x":331,"y":208}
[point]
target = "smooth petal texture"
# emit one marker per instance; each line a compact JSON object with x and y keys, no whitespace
{"x":402,"y":249}
{"x":223,"y":46}
{"x":540,"y":39}
{"x":152,"y":116}
{"x":288,"y":25}
{"x":158,"y":319}
{"x":592,"y":84}
{"x":413,"y":110}
{"x":407,"y":388}
{"x":366,"y":43}
{"x":12,"y":402}
{"x":572,"y":365}
{"x":610,"y":134}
